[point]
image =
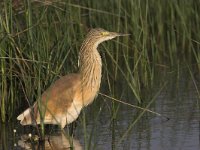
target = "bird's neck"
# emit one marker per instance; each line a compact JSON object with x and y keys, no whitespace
{"x":90,"y":66}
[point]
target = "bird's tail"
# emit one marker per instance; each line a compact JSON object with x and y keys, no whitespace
{"x":25,"y":117}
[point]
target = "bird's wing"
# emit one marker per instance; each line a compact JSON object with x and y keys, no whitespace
{"x":54,"y":101}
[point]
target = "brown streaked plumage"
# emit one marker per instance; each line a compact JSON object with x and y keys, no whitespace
{"x":62,"y":102}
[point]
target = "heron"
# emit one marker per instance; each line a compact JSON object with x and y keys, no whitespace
{"x":63,"y":101}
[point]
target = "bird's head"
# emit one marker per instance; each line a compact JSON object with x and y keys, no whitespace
{"x":99,"y":35}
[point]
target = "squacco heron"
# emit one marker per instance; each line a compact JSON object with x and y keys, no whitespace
{"x":62,"y":102}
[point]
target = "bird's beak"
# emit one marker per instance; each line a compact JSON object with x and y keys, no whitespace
{"x":122,"y":34}
{"x":119,"y":34}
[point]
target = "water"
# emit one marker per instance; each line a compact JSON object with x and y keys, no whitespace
{"x":178,"y":101}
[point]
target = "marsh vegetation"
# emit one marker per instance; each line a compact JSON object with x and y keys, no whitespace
{"x":40,"y":41}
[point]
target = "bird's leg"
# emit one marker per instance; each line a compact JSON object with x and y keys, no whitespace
{"x":63,"y":122}
{"x":72,"y":128}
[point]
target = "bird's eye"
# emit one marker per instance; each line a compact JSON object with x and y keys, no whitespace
{"x":104,"y":33}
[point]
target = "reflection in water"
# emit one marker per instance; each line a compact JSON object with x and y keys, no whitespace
{"x":53,"y":142}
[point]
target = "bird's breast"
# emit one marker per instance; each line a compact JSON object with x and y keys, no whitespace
{"x":86,"y":95}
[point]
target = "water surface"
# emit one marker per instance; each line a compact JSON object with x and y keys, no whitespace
{"x":178,"y":101}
